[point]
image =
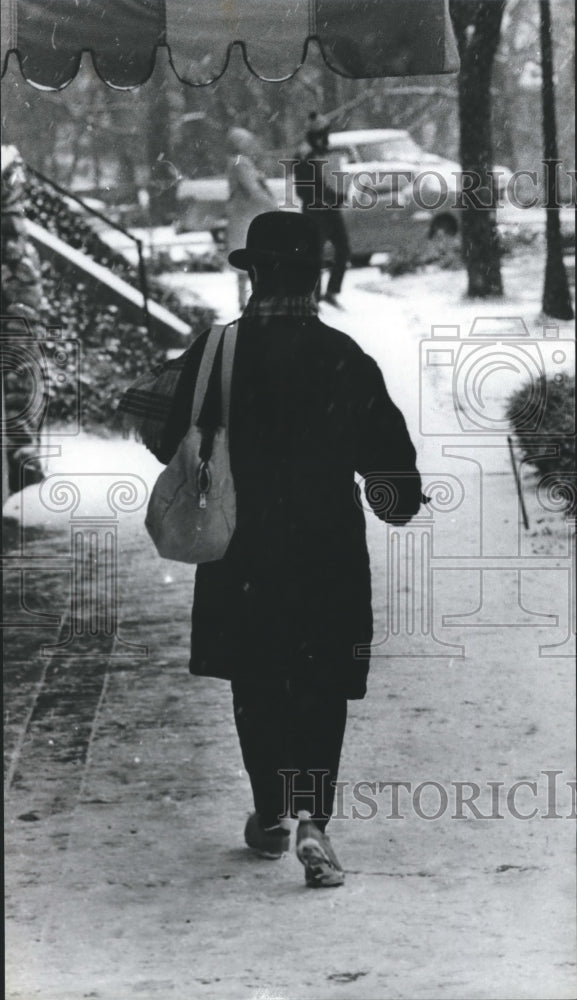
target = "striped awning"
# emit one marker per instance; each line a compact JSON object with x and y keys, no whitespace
{"x":358,"y":38}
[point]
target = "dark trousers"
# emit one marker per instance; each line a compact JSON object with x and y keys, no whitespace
{"x":285,"y":733}
{"x":333,"y":231}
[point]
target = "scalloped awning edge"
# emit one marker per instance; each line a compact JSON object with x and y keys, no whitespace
{"x":360,"y":39}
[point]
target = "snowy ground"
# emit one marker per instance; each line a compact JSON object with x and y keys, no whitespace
{"x":393,"y":319}
{"x":126,"y":871}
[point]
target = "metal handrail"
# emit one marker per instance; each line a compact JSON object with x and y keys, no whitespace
{"x":143,"y":278}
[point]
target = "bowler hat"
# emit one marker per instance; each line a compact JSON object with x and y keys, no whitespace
{"x":282,"y":236}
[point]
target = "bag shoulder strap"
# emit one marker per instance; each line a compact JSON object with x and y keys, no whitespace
{"x":206,"y":366}
{"x":228,"y":349}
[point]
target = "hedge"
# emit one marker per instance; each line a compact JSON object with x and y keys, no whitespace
{"x":542,"y":415}
{"x":112,"y":351}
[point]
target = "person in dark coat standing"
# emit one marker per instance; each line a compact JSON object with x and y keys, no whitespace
{"x":321,"y":201}
{"x":285,"y":614}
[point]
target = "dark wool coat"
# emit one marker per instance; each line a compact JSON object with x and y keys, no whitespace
{"x":292,"y":596}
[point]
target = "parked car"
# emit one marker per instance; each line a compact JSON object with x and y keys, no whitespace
{"x":381,"y":212}
{"x":395,"y":194}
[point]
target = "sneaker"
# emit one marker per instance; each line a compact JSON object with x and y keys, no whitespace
{"x":271,"y":843}
{"x":315,"y":852}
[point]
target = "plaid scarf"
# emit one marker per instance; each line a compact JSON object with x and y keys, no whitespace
{"x":145,"y":407}
{"x":293,"y":305}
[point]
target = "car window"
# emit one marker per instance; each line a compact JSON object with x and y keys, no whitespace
{"x":401,"y":148}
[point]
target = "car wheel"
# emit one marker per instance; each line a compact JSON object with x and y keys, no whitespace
{"x":443,"y":232}
{"x":218,"y":234}
{"x":361,"y":259}
{"x":443,"y":229}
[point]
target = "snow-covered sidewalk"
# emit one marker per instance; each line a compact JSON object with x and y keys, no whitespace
{"x":126,"y":798}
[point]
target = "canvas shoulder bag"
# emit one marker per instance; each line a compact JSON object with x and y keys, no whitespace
{"x":191,"y":513}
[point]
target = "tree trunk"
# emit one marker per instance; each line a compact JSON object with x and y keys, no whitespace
{"x":504,"y":112}
{"x":477,"y":27}
{"x":556,"y":297}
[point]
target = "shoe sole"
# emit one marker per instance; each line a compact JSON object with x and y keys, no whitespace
{"x":320,"y":871}
{"x":272,"y":847}
{"x":272,"y":855}
{"x":267,"y":854}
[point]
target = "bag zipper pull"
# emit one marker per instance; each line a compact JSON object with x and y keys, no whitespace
{"x":203,"y":483}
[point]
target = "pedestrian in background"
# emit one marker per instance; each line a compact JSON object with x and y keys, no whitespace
{"x":248,"y":196}
{"x":320,"y":200}
{"x":282,"y":614}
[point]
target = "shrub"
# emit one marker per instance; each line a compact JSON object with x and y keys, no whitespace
{"x":210,"y":261}
{"x":113,"y":351}
{"x":63,"y":217}
{"x":519,"y":238}
{"x":543,"y":417}
{"x":446,"y":257}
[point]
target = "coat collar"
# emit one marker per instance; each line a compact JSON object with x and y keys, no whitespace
{"x":290,"y":305}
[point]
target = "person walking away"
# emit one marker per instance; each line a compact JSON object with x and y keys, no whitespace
{"x":249,"y":194}
{"x":321,"y":201}
{"x":281,"y":614}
